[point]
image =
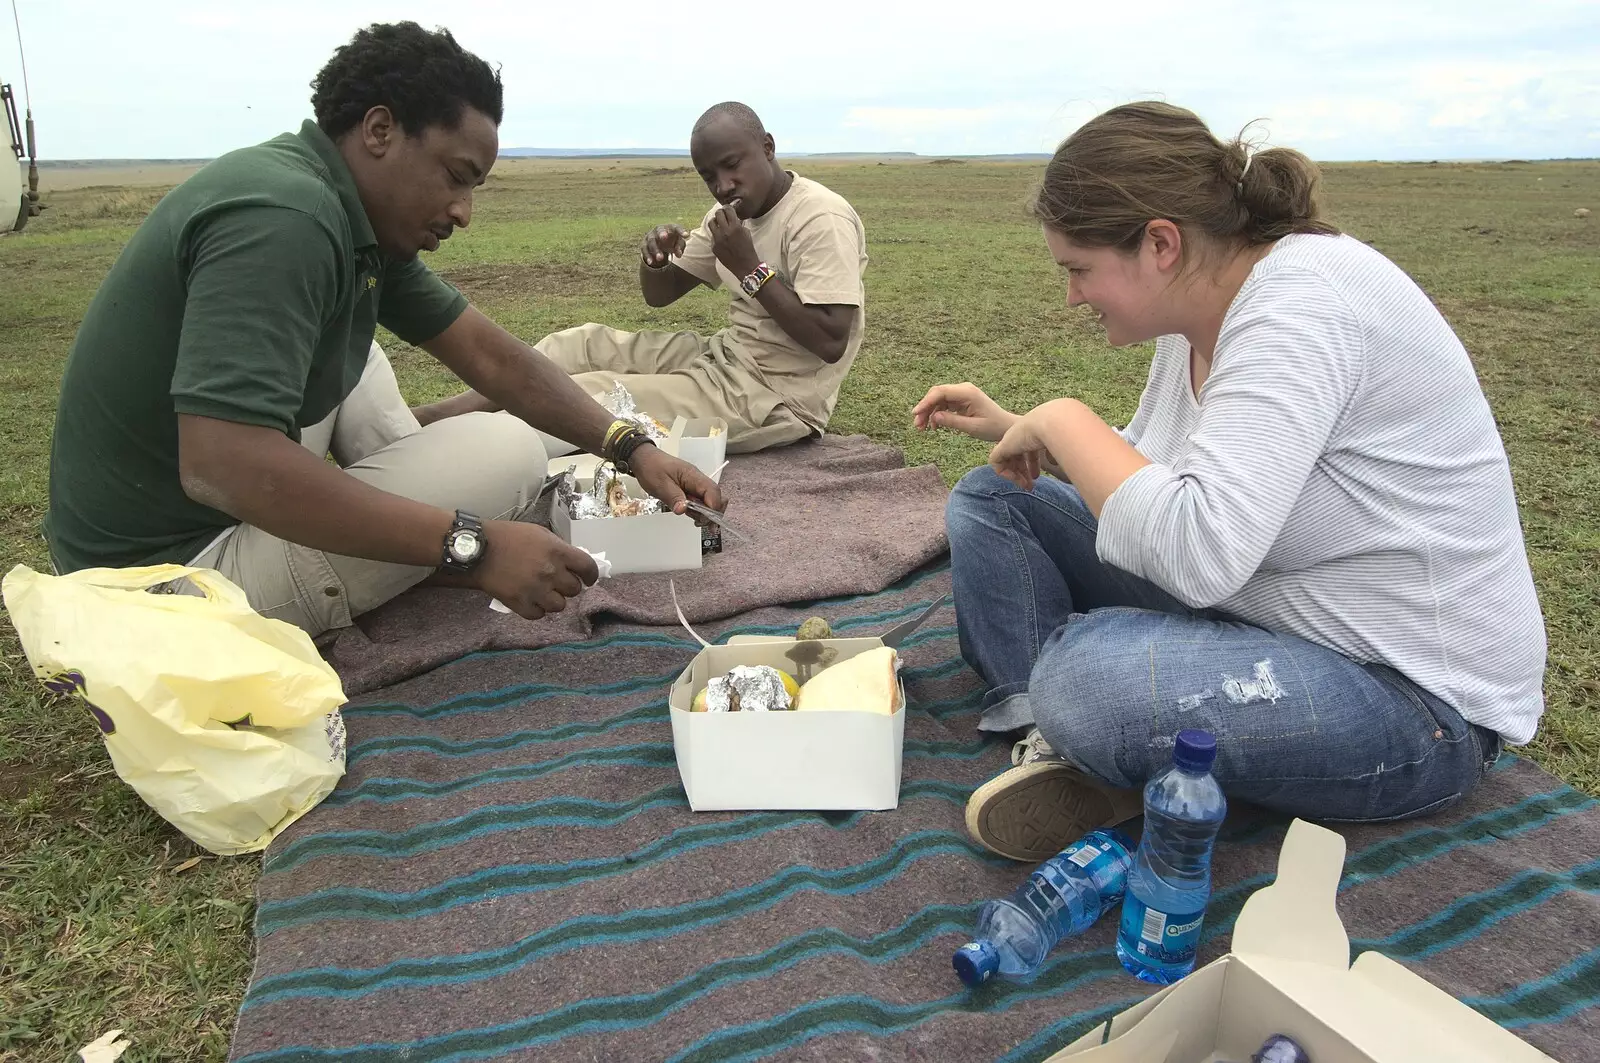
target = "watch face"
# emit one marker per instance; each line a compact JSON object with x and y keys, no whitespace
{"x":465,"y":545}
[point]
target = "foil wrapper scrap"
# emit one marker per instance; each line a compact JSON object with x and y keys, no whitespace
{"x":606,"y":496}
{"x":747,"y":688}
{"x":1280,"y":1049}
{"x":619,"y":403}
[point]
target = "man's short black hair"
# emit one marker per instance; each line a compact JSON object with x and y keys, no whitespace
{"x":424,"y":77}
{"x":741,"y":116}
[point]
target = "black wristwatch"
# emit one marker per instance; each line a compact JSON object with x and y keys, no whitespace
{"x":464,"y":544}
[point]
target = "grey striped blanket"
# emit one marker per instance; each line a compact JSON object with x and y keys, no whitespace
{"x":510,"y":871}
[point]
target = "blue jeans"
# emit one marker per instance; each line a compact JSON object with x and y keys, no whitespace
{"x":1110,"y":668}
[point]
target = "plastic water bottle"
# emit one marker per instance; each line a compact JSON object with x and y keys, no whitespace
{"x":1171,"y":878}
{"x":1063,"y":896}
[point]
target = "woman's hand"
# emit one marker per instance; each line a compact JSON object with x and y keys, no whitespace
{"x":1067,"y":439}
{"x":1021,"y":451}
{"x":963,"y":408}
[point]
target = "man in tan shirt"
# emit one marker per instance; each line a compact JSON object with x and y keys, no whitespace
{"x":791,"y":253}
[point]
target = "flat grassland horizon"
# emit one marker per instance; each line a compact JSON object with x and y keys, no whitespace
{"x":107,"y":922}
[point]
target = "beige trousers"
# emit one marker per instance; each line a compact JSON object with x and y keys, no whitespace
{"x":672,"y":374}
{"x":488,"y":464}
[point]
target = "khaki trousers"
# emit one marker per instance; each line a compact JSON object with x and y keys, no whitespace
{"x":488,"y":464}
{"x":672,"y":374}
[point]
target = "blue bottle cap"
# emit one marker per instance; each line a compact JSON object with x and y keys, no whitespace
{"x":1194,"y":750}
{"x":976,"y":962}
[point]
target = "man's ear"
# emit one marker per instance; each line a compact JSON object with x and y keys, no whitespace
{"x":768,"y":147}
{"x":379,"y":131}
{"x":1164,"y":240}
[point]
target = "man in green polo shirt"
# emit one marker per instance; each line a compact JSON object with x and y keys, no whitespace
{"x":230,"y":351}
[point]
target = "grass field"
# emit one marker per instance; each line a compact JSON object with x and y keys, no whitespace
{"x":105,"y":921}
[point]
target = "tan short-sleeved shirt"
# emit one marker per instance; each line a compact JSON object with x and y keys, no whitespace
{"x":814,"y":238}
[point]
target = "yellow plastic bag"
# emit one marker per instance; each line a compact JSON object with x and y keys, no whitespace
{"x":225,"y":722}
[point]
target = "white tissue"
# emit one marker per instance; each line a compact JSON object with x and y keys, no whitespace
{"x":600,"y":563}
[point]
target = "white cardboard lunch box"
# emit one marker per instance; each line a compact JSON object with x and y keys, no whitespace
{"x":651,"y":542}
{"x":1289,"y":973}
{"x":784,"y":760}
{"x":702,"y":442}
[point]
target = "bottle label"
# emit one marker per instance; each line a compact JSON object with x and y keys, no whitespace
{"x":1161,"y":937}
{"x":1103,"y":861}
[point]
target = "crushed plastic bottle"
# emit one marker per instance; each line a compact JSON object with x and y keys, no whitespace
{"x":1063,"y":896}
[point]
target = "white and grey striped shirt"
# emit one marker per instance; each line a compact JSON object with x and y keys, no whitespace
{"x":1340,"y":478}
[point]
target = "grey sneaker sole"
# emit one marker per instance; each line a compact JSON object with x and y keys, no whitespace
{"x":1033,"y":811}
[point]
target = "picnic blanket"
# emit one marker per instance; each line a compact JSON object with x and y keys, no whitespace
{"x":510,"y":871}
{"x":831,"y":516}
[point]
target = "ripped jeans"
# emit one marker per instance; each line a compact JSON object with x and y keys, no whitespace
{"x":1110,"y":668}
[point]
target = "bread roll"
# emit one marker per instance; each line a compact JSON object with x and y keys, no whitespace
{"x":866,"y":682}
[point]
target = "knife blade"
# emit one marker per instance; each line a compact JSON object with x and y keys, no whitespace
{"x":716,"y":518}
{"x":897,"y":634}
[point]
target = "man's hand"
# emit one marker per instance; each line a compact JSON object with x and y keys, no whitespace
{"x":731,"y":242}
{"x":530,"y":569}
{"x":963,"y":408}
{"x":673,"y":480}
{"x":664,"y":242}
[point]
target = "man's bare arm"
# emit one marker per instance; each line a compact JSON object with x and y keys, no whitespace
{"x":513,"y":376}
{"x":663,"y":287}
{"x":261,"y":477}
{"x":661,"y":280}
{"x":821,"y":328}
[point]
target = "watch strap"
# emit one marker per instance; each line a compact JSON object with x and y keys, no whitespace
{"x":756,"y":279}
{"x":463,"y":521}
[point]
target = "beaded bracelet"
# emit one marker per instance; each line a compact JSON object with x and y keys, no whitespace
{"x":623,"y":452}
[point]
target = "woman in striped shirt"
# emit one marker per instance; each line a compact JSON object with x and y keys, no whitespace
{"x":1305,"y":541}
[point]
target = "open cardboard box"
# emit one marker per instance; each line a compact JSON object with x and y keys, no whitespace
{"x":702,"y":442}
{"x":1289,"y":973}
{"x":784,"y":760}
{"x":652,"y":542}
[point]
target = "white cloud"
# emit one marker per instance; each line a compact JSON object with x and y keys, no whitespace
{"x":917,"y":119}
{"x":210,"y":19}
{"x":1360,"y":79}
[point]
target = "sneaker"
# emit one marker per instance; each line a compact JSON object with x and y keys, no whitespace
{"x":1043,"y":804}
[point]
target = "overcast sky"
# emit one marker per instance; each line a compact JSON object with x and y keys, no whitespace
{"x":1353,"y":79}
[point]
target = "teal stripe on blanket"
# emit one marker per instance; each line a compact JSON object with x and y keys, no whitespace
{"x":525,"y":693}
{"x":1469,"y":916}
{"x":1556,"y":996}
{"x":495,"y":819}
{"x":365,"y":904}
{"x":656,"y":923}
{"x":653,"y":713}
{"x":593,"y":931}
{"x":853,"y":1011}
{"x":380,"y":905}
{"x":385,"y":789}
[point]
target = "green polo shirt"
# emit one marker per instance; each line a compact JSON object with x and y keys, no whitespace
{"x":251,"y":294}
